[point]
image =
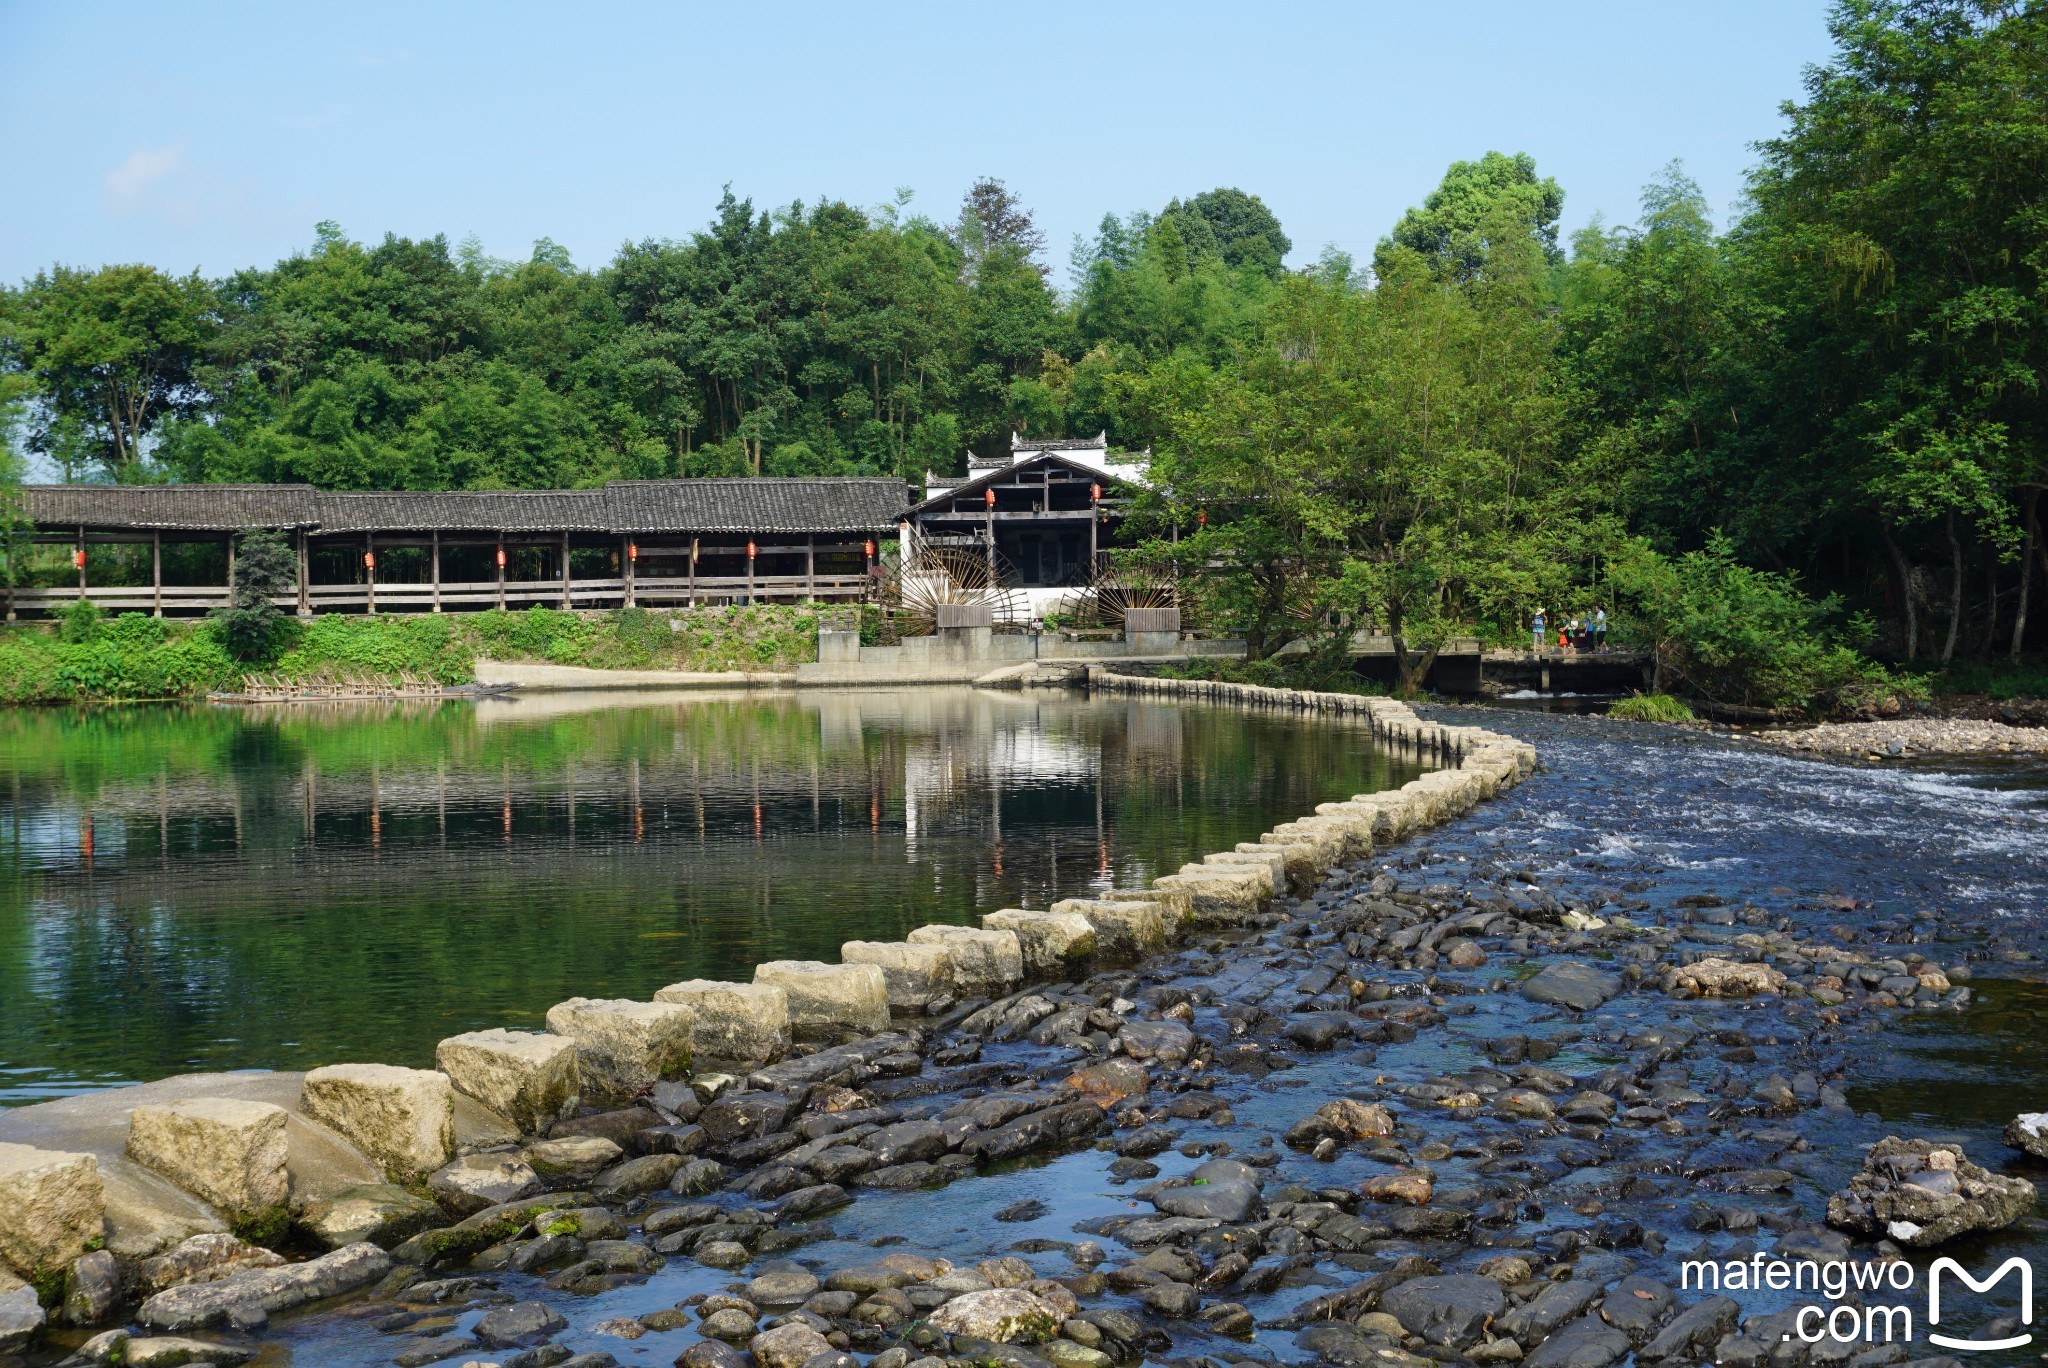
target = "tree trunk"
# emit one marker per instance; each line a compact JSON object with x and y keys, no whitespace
{"x":2019,"y":620}
{"x":1955,"y":590}
{"x":1991,"y":612}
{"x":1411,"y":668}
{"x":1905,"y":592}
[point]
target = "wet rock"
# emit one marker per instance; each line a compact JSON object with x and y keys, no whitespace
{"x":1112,"y":1081}
{"x":624,"y":1047}
{"x":783,"y":1287}
{"x":1317,"y":1030}
{"x":1717,"y":977}
{"x":743,"y":1022}
{"x":1001,"y":1315}
{"x":381,"y":1213}
{"x":520,"y":1324}
{"x":1161,"y":1042}
{"x":475,"y":1181}
{"x":570,"y":1161}
{"x":788,"y":1346}
{"x":227,"y":1151}
{"x":21,"y":1320}
{"x":830,"y":1002}
{"x":1451,"y":1310}
{"x":92,"y":1288}
{"x":2029,"y":1132}
{"x":697,"y":1177}
{"x":1693,"y":1333}
{"x":1411,"y":1186}
{"x":201,"y":1259}
{"x":1050,"y":941}
{"x":712,"y":1354}
{"x":747,"y":1116}
{"x":1636,"y":1306}
{"x":1035,"y":1130}
{"x":906,"y":1142}
{"x":483,"y":1229}
{"x":730,"y":1324}
{"x":1922,"y":1194}
{"x":1174,"y":1299}
{"x":52,"y":1206}
{"x":986,"y":963}
{"x":403,"y":1119}
{"x":1585,"y":1343}
{"x":722,"y":1254}
{"x":530,"y":1079}
{"x":249,"y":1295}
{"x":1569,"y":983}
{"x":914,"y":976}
{"x":1030,"y":1209}
{"x":1556,"y":1305}
{"x":1233,"y":1201}
{"x":809,"y":1201}
{"x":1341,"y":1119}
{"x":649,"y":1173}
{"x":622,"y":1126}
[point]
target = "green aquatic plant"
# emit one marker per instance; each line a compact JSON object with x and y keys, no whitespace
{"x":1651,"y":708}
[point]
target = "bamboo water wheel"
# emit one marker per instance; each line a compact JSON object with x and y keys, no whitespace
{"x":911,"y":591}
{"x":1134,"y":583}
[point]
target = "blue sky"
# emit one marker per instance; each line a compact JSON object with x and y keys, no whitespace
{"x":216,"y":136}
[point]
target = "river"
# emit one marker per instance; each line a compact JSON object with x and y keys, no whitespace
{"x":194,"y":888}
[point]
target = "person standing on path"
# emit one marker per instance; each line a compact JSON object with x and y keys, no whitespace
{"x":1536,"y":625}
{"x":1600,"y":630}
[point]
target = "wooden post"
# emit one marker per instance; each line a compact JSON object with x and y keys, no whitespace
{"x":80,"y":558}
{"x":435,"y":551}
{"x":567,"y":600}
{"x":750,"y":572}
{"x":231,"y":564}
{"x":1094,"y":523}
{"x":501,"y":570}
{"x":370,"y":571}
{"x":305,"y":574}
{"x":156,"y":572}
{"x":626,"y":567}
{"x":693,"y":572}
{"x":811,"y":566}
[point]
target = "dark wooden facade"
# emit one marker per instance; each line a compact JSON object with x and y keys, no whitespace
{"x":652,"y":543}
{"x":1049,"y":517}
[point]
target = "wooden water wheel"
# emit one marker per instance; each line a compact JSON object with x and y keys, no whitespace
{"x":912,"y":591}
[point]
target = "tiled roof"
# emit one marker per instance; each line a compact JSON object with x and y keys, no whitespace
{"x":822,"y":504}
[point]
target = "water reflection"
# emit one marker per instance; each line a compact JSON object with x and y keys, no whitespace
{"x":206,"y":888}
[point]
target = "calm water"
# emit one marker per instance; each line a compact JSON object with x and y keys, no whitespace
{"x":200,"y":888}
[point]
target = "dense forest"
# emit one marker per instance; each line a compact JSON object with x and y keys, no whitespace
{"x":1820,"y":428}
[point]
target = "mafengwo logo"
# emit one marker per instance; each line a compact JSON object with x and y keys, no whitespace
{"x":1852,"y":1315}
{"x":2012,"y":1265}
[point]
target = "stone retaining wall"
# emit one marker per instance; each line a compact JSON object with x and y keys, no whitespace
{"x":725,"y":1037}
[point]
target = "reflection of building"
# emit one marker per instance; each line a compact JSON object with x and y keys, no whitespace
{"x":1048,"y":508}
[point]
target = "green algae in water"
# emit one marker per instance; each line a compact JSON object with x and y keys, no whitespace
{"x":187,"y":888}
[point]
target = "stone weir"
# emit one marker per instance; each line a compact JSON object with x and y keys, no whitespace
{"x":155,"y":1206}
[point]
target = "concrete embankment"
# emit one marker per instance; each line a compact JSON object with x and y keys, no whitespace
{"x":144,"y":1194}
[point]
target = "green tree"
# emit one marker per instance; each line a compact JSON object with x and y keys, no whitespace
{"x":1236,"y":225}
{"x":112,"y":353}
{"x":1477,"y":206}
{"x":251,"y":626}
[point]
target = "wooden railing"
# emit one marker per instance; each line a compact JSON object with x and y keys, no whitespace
{"x":458,"y":596}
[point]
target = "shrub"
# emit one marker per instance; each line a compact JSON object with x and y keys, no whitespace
{"x":79,"y":622}
{"x":1651,"y":708}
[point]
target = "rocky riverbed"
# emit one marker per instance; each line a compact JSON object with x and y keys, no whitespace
{"x":1476,"y":1098}
{"x":1909,"y":737}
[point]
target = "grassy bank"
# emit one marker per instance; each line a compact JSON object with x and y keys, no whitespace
{"x":138,"y":657}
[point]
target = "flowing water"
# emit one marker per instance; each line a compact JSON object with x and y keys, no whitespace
{"x":187,"y":888}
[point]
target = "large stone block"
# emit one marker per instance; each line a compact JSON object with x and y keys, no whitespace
{"x":1124,"y":929}
{"x":52,"y":1206}
{"x":741,"y":1022}
{"x":223,"y":1150}
{"x":1176,"y":907}
{"x":1222,"y":894}
{"x":403,"y":1119}
{"x":915,"y":975}
{"x":1272,"y":861}
{"x":623,"y":1047}
{"x":531,"y":1080}
{"x":985,"y":963}
{"x":830,"y":1002}
{"x":1052,"y":942}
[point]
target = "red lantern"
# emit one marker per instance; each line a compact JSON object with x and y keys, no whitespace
{"x":501,"y":558}
{"x":78,"y":559}
{"x":369,"y":560}
{"x":693,"y":550}
{"x":632,"y":551}
{"x":1095,"y":493}
{"x":869,"y":547}
{"x":750,"y":550}
{"x":1202,"y":517}
{"x":990,"y":495}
